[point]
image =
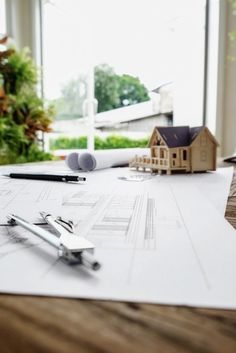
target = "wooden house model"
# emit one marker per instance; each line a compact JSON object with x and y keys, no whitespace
{"x":179,"y":148}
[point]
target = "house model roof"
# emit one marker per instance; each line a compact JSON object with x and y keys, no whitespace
{"x":179,"y":136}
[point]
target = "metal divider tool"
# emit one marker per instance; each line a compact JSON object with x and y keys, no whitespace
{"x":71,"y":247}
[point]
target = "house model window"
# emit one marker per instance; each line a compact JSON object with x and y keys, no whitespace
{"x":203,"y":156}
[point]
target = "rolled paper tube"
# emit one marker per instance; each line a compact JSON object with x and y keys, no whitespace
{"x":72,"y":161}
{"x":109,"y":158}
{"x":87,"y":162}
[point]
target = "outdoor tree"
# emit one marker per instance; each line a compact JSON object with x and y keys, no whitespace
{"x":116,"y":91}
{"x":106,"y":88}
{"x":131,"y":91}
{"x":111,"y":91}
{"x":71,"y":102}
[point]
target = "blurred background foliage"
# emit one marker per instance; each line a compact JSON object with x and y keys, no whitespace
{"x":111,"y":142}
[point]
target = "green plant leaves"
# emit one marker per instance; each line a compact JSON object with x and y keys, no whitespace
{"x":22,"y":113}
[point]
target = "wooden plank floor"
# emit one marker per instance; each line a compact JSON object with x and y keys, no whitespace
{"x":38,"y":324}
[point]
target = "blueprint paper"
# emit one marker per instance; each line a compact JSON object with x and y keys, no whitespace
{"x":158,"y":242}
{"x":216,"y":187}
{"x":29,"y":197}
{"x":213,"y":185}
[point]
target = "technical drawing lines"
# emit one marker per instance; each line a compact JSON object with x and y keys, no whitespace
{"x":201,"y":268}
{"x":150,"y":234}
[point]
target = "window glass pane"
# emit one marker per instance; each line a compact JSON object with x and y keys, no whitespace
{"x":189,"y":55}
{"x":135,"y":47}
{"x":2,"y":17}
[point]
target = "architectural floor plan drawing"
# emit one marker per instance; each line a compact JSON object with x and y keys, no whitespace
{"x":112,"y":219}
{"x":158,"y":242}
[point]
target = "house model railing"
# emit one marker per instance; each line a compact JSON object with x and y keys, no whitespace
{"x":161,"y":160}
{"x":146,"y":162}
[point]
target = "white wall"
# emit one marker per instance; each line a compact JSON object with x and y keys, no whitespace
{"x":23,"y":25}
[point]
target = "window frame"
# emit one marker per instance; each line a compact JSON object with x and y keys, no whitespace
{"x":214,"y":55}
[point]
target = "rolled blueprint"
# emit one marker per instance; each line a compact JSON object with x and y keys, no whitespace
{"x":72,"y":161}
{"x":101,"y":159}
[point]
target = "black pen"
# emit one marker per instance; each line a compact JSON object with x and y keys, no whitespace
{"x":48,"y":177}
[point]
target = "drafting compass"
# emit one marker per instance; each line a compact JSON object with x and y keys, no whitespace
{"x":71,"y":247}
